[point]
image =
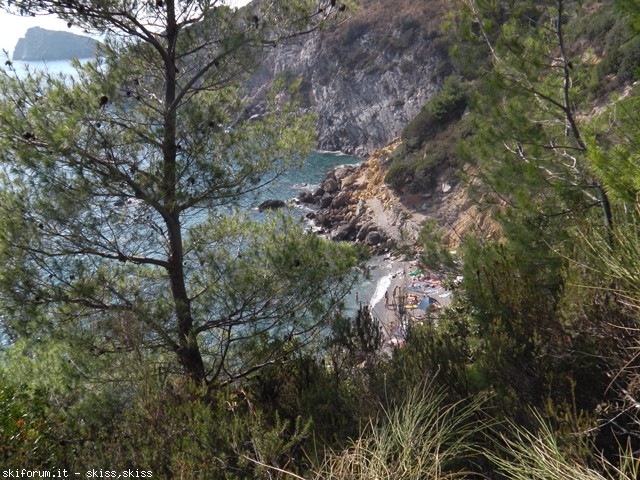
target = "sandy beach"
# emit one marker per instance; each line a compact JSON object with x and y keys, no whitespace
{"x":407,"y":294}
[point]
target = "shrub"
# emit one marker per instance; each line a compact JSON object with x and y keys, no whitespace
{"x":400,"y":173}
{"x":445,"y":107}
{"x":621,"y":52}
{"x":630,"y":61}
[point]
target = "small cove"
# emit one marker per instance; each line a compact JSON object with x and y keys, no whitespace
{"x":287,"y":187}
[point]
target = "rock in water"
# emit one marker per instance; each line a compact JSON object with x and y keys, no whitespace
{"x":271,"y":205}
{"x":306,"y":197}
{"x":40,"y":44}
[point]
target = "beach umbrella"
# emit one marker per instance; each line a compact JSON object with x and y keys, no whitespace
{"x":426,"y":302}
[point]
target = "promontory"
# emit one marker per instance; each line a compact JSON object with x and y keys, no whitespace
{"x":40,"y":44}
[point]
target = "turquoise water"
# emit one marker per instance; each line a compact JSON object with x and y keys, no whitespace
{"x":287,"y":187}
{"x":306,"y":177}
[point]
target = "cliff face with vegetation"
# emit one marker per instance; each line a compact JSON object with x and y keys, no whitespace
{"x":531,"y":372}
{"x":367,"y":77}
{"x":40,"y":44}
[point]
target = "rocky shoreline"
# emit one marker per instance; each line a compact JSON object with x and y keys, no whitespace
{"x":354,"y":204}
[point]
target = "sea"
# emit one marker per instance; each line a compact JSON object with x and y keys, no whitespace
{"x":375,"y":276}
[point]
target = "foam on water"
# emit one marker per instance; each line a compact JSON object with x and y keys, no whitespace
{"x":383,"y":285}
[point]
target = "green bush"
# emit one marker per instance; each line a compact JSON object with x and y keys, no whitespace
{"x":629,"y":61}
{"x":442,"y":109}
{"x":408,"y":29}
{"x":353,"y":31}
{"x":400,"y":173}
{"x":420,"y":129}
{"x":27,"y":433}
{"x":596,"y":26}
{"x":415,"y":170}
{"x":621,"y":53}
{"x":421,"y":437}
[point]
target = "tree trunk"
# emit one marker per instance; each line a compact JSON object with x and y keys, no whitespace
{"x":573,"y":125}
{"x":188,"y":352}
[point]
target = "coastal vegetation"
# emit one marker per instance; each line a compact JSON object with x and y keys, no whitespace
{"x":147,"y":323}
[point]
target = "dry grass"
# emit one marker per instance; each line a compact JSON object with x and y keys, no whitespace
{"x":528,"y":456}
{"x":422,"y":438}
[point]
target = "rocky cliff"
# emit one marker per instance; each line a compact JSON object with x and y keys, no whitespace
{"x":41,"y":44}
{"x":355,"y":204}
{"x":367,"y":77}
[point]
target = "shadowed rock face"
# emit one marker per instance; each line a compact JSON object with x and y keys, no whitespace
{"x":40,"y":44}
{"x":365,"y":79}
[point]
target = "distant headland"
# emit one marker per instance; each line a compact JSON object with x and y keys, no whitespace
{"x":40,"y":44}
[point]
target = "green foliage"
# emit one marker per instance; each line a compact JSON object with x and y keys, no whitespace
{"x":514,"y":301}
{"x":526,"y":455}
{"x":429,"y":140}
{"x":612,"y":260}
{"x":630,"y":9}
{"x":399,"y":174}
{"x":435,"y":253}
{"x":26,"y":428}
{"x":166,"y":428}
{"x":614,"y":156}
{"x":443,"y":108}
{"x":612,"y":58}
{"x":528,"y":139}
{"x":355,"y":345}
{"x":152,"y":325}
{"x":182,"y":436}
{"x":524,"y":306}
{"x":118,"y":220}
{"x":306,"y":387}
{"x":354,"y":29}
{"x":441,"y":355}
{"x":362,"y":337}
{"x":136,"y":299}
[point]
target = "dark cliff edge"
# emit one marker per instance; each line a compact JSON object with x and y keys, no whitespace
{"x":40,"y":44}
{"x":367,"y":77}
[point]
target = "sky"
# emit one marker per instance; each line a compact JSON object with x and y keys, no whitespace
{"x":13,"y":27}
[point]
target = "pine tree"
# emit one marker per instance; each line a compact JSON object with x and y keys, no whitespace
{"x":120,"y":188}
{"x":534,"y":147}
{"x":530,"y":147}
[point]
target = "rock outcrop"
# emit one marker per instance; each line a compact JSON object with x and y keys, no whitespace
{"x":354,"y":204}
{"x":365,"y":78}
{"x":40,"y":44}
{"x":271,"y":205}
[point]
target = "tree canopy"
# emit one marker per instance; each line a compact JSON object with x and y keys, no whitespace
{"x":121,"y":184}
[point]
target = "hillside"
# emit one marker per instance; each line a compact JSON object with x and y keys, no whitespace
{"x":525,"y":161}
{"x":367,"y":77}
{"x":149,"y":324}
{"x":431,"y":167}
